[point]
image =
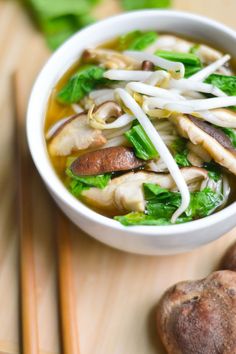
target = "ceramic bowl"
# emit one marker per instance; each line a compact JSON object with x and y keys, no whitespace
{"x":146,"y":240}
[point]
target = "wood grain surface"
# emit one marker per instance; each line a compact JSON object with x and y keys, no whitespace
{"x":116,"y":292}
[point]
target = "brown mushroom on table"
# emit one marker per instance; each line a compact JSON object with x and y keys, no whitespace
{"x":110,"y":59}
{"x":213,"y":140}
{"x":199,"y":317}
{"x":74,"y":134}
{"x":125,"y":193}
{"x":229,"y":259}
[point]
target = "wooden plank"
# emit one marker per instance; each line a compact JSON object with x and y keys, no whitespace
{"x":116,"y":292}
{"x":223,"y":11}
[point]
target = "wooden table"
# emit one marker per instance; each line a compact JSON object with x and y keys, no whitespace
{"x":116,"y":292}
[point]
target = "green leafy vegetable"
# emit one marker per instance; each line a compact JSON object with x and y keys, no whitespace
{"x":76,"y":187}
{"x":214,"y":175}
{"x":163,"y":203}
{"x":182,"y":159}
{"x":60,"y":19}
{"x":143,"y":41}
{"x":231,"y":134}
{"x":136,"y":40}
{"x":80,"y":183}
{"x":52,"y":9}
{"x":143,"y":146}
{"x":203,"y":203}
{"x":185,"y":58}
{"x":178,"y":145}
{"x":152,"y":191}
{"x":191,"y":70}
{"x":223,"y":82}
{"x":58,"y":30}
{"x":127,"y":39}
{"x":191,"y":61}
{"x":180,"y":152}
{"x":133,"y":219}
{"x":214,"y":170}
{"x":81,"y":83}
{"x":145,"y":4}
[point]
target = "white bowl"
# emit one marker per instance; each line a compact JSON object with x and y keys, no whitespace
{"x":148,"y":240}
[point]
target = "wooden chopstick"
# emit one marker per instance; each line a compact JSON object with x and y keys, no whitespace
{"x":29,"y":327}
{"x":69,"y":330}
{"x":67,"y":304}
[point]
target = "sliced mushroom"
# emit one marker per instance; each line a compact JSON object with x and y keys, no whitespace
{"x":110,"y":59}
{"x":73,"y":135}
{"x":156,"y":165}
{"x":108,"y":109}
{"x":105,"y":111}
{"x":199,"y":151}
{"x":125,"y":193}
{"x":56,"y":127}
{"x":225,"y":117}
{"x":214,"y":132}
{"x":197,"y":136}
{"x":111,"y":159}
{"x":194,"y":159}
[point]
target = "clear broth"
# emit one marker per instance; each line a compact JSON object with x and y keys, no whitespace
{"x":57,"y":111}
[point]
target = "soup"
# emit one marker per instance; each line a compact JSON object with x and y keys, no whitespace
{"x":142,"y":129}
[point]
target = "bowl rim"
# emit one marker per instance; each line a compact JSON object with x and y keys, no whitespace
{"x":40,"y":156}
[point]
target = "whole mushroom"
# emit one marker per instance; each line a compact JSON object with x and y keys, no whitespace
{"x":199,"y":317}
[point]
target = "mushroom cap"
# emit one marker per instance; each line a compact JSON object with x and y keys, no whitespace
{"x":199,"y":317}
{"x":214,"y":132}
{"x":188,"y":129}
{"x":73,"y":135}
{"x":111,"y":159}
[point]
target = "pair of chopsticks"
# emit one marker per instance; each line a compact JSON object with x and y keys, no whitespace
{"x":68,"y":323}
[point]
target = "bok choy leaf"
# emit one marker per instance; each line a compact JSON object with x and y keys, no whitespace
{"x":77,"y":184}
{"x":185,"y":58}
{"x":180,"y":152}
{"x":162,"y":203}
{"x":143,"y":146}
{"x":143,"y":41}
{"x":145,"y":4}
{"x":223,"y":82}
{"x":81,"y":83}
{"x":136,"y":40}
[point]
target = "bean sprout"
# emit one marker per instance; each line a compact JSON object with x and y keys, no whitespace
{"x":161,"y":149}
